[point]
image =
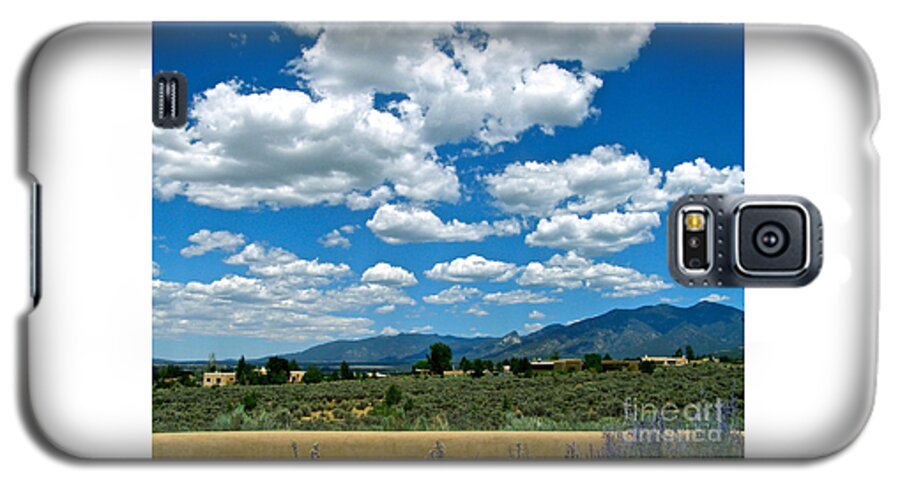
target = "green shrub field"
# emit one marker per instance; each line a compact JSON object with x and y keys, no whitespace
{"x":557,"y":401}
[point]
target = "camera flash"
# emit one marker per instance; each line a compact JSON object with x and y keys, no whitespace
{"x":694,"y":221}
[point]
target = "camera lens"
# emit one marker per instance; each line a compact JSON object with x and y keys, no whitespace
{"x":694,"y":242}
{"x":695,"y":263}
{"x":770,"y":239}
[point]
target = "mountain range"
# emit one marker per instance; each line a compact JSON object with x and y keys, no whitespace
{"x":707,"y":327}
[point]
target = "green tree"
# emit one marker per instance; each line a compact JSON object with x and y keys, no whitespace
{"x":242,"y":372}
{"x":607,"y":357}
{"x":554,"y":356}
{"x":678,"y":353}
{"x":520,"y":366}
{"x":188,"y":379}
{"x":313,"y":375}
{"x":478,"y":368}
{"x":689,"y":353}
{"x":168,"y":371}
{"x":439,"y":358}
{"x":422,"y":364}
{"x":465,"y":364}
{"x":293,"y":365}
{"x":346,"y":374}
{"x":278,"y":370}
{"x":257,"y":378}
{"x":647,"y":367}
{"x":593,"y":362}
{"x":211,"y":365}
{"x":166,"y":376}
{"x":392,"y":396}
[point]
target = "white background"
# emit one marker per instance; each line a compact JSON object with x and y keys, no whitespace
{"x":24,"y":458}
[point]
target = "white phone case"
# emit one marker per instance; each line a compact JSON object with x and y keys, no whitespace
{"x":110,"y":182}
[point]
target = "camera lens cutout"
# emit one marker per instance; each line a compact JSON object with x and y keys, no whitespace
{"x":771,"y":239}
{"x":738,"y":240}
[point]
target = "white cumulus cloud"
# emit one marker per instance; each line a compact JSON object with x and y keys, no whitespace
{"x":518,"y":296}
{"x":571,"y":271}
{"x":205,"y":241}
{"x":398,"y":224}
{"x":599,"y":234}
{"x":334,"y":238}
{"x":359,"y":297}
{"x":477,"y":312}
{"x":247,"y":307}
{"x":603,"y":180}
{"x":453,"y":295}
{"x":248,"y":148}
{"x":389,"y":331}
{"x":387,"y":274}
{"x":282,"y":148}
{"x":473,"y":268}
{"x":531,"y":327}
{"x":278,"y":262}
{"x":488,"y":82}
{"x":386,"y":309}
{"x":715,"y":298}
{"x":282,"y":297}
{"x":694,"y":177}
{"x":270,"y":308}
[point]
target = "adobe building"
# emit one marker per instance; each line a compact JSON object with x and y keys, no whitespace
{"x":568,"y":364}
{"x":666,"y":360}
{"x":219,"y":378}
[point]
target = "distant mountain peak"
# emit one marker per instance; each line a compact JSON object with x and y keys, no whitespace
{"x":708,"y":327}
{"x":706,"y":303}
{"x":511,"y":339}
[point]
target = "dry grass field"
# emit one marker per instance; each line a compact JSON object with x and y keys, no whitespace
{"x":426,"y":445}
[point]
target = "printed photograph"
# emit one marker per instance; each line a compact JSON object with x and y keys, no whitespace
{"x":429,"y":241}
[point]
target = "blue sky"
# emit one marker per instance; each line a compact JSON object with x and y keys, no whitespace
{"x":314,"y":153}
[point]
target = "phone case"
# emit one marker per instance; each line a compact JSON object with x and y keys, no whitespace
{"x":313,"y":241}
